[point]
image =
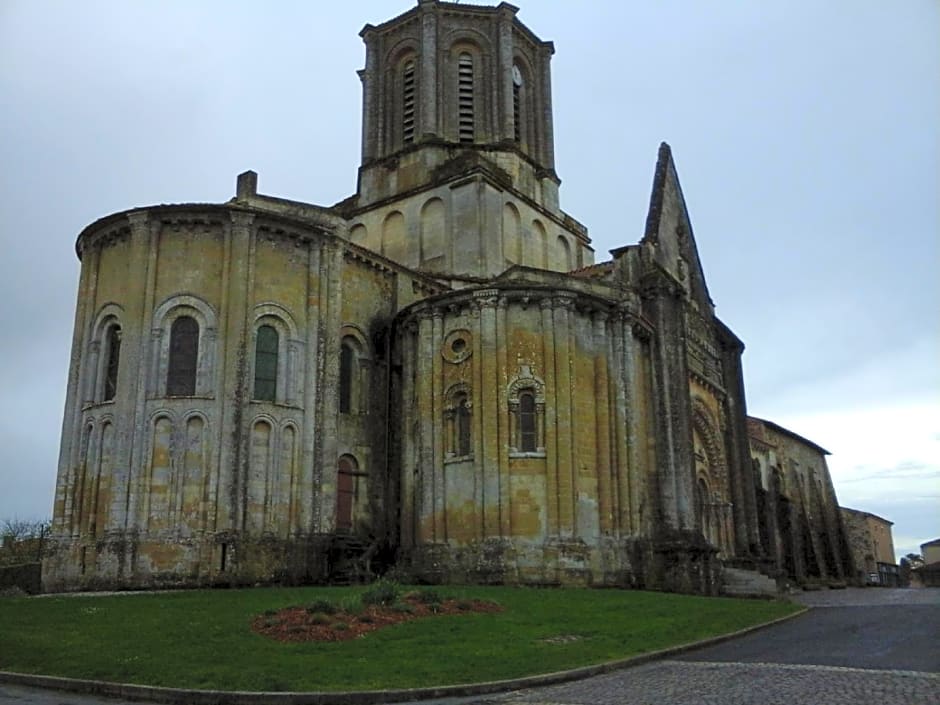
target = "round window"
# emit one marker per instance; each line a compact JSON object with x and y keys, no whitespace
{"x":456,"y":346}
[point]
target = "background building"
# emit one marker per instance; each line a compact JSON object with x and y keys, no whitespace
{"x":801,"y":527}
{"x":872,"y":547}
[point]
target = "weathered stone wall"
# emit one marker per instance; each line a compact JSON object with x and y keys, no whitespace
{"x":25,"y":576}
{"x":870,"y":542}
{"x":801,"y":524}
{"x":218,"y":484}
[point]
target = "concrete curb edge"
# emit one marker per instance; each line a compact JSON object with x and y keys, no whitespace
{"x":180,"y":696}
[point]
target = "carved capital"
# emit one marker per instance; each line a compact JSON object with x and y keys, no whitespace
{"x":486,"y":298}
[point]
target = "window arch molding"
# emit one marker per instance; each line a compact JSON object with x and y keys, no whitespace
{"x":165,"y":315}
{"x":354,"y":364}
{"x":525,"y":398}
{"x":705,"y":425}
{"x":103,"y":354}
{"x":288,"y":380}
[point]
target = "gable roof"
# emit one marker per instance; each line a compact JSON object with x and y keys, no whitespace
{"x":669,"y":227}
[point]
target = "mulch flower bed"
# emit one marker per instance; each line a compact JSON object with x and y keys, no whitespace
{"x":299,"y":624}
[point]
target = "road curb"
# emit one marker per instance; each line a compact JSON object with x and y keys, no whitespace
{"x":181,"y":696}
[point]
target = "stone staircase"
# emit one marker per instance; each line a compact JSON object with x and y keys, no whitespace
{"x":738,"y":582}
{"x":348,"y":561}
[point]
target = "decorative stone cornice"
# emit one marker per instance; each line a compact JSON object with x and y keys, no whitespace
{"x":241,"y":218}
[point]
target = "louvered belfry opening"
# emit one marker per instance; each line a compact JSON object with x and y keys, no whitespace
{"x":465,"y":130}
{"x":408,"y":103}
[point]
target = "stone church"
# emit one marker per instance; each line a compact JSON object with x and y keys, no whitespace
{"x":432,"y":375}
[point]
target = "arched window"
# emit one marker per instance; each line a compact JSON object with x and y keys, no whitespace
{"x":465,"y":117}
{"x":463,"y":425}
{"x":345,"y":492}
{"x":112,"y":362}
{"x":458,"y":417}
{"x":526,"y":397}
{"x":347,"y":365}
{"x":408,"y":102}
{"x":528,"y":426}
{"x":266,"y":348}
{"x":184,"y":354}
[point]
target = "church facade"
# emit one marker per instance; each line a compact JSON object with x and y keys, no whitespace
{"x":432,"y":374}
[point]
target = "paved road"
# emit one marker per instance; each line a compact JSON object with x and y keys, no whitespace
{"x":875,"y":645}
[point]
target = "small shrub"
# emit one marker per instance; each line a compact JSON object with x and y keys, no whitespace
{"x":321,"y":607}
{"x":382,"y":593}
{"x":402,"y":607}
{"x":464,"y":605}
{"x":352,"y":605}
{"x":270,"y":613}
{"x":366,"y":618}
{"x":428,"y":596}
{"x":340,"y":626}
{"x":271,"y":622}
{"x":318,"y":618}
{"x":296,"y":629}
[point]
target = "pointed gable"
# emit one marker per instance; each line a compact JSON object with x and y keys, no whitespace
{"x":668,"y":235}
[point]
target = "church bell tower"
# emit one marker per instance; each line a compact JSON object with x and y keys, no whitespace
{"x":457,"y":132}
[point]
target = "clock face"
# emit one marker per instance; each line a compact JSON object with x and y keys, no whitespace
{"x":516,"y":76}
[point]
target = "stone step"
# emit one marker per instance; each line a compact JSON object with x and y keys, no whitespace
{"x":738,"y":582}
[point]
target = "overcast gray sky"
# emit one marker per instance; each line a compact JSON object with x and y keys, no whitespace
{"x":805,"y":135}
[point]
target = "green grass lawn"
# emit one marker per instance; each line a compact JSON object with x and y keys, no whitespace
{"x":202,"y":638}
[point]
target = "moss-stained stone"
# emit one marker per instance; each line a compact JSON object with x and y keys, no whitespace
{"x":432,"y":373}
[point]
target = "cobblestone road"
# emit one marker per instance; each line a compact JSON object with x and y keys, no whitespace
{"x":812,"y":660}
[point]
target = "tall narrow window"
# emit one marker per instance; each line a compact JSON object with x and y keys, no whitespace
{"x":517,"y":103}
{"x":465,"y":129}
{"x":408,"y":103}
{"x":527,"y":423}
{"x":266,"y":364}
{"x":347,"y":361}
{"x":463,"y":425}
{"x":345,"y":492}
{"x":184,"y":353}
{"x":113,"y":361}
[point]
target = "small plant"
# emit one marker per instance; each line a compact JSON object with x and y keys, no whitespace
{"x":340,"y":626}
{"x":322,"y":607}
{"x":428,"y":596}
{"x":366,"y":618}
{"x":270,"y":613}
{"x":382,"y":593}
{"x":403,"y":608}
{"x":464,"y":605}
{"x":270,"y":622}
{"x":318,"y":618}
{"x":352,"y":605}
{"x":296,"y":629}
